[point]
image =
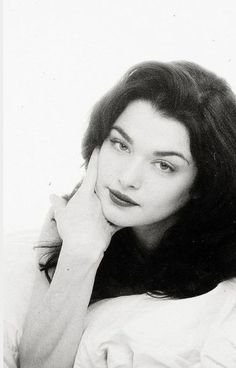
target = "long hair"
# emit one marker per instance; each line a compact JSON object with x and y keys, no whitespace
{"x":199,"y":250}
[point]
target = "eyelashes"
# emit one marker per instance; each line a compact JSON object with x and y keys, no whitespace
{"x":119,"y":145}
{"x":164,"y":166}
{"x":161,"y":165}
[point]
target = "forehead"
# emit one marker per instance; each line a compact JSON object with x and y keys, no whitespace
{"x":144,"y":124}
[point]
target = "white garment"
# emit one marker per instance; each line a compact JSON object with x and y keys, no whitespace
{"x":140,"y":331}
{"x":133,"y":331}
{"x":19,"y":273}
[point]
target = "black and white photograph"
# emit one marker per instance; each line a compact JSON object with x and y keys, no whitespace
{"x":119,"y":184}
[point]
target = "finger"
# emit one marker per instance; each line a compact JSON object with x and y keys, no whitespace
{"x":57,"y":202}
{"x":90,"y":178}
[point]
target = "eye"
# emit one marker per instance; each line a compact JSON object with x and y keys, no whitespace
{"x":119,"y":145}
{"x":164,"y":166}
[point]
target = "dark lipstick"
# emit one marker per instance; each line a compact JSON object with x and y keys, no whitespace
{"x":121,"y":199}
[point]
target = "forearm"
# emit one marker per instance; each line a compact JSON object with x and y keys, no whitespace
{"x":53,"y":330}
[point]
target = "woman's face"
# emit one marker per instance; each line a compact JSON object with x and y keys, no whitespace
{"x":147,"y":158}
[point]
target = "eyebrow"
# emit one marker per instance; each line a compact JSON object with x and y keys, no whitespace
{"x":155,"y":153}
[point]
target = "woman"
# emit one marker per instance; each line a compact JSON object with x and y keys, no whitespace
{"x":152,"y":223}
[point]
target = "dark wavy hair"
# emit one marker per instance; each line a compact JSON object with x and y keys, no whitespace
{"x":199,"y":250}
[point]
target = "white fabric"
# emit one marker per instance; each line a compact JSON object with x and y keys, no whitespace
{"x":132,"y":331}
{"x":19,"y":272}
{"x":140,"y":331}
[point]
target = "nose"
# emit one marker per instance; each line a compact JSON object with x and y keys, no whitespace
{"x":131,"y":175}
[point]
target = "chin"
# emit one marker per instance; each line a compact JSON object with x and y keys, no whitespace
{"x":115,"y":218}
{"x":120,"y":217}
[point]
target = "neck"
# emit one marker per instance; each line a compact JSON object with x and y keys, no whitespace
{"x":149,"y":236}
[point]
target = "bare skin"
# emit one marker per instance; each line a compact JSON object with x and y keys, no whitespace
{"x":54,"y":324}
{"x":145,"y":153}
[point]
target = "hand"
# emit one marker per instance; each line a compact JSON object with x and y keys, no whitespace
{"x":80,"y":221}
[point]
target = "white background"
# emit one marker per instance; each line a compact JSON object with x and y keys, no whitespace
{"x":61,"y":56}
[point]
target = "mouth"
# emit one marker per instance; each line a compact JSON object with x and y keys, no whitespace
{"x":121,"y":199}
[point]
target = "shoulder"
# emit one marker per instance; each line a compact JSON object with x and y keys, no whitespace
{"x":163,"y":331}
{"x":220,"y":345}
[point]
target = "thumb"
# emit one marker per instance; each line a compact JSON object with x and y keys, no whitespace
{"x":58,"y":203}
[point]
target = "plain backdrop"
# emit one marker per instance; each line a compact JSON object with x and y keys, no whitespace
{"x":61,"y":56}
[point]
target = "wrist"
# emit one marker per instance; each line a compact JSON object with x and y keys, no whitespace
{"x":83,"y":251}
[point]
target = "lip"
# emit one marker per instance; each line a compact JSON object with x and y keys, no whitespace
{"x":121,"y":199}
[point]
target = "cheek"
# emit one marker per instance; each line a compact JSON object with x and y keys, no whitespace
{"x":105,"y":164}
{"x":168,"y":196}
